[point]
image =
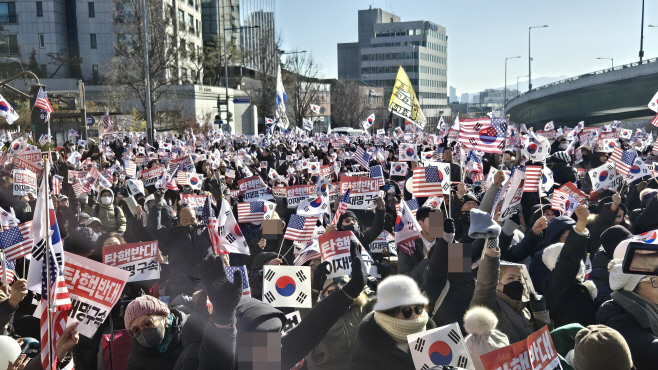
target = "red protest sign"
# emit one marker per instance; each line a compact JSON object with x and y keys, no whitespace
{"x":570,"y":188}
{"x":335,"y":248}
{"x":136,"y":258}
{"x":25,"y":165}
{"x":363,"y":193}
{"x":536,"y":352}
{"x":253,"y":188}
{"x":150,"y":176}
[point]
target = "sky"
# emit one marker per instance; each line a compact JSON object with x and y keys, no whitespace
{"x":482,"y":33}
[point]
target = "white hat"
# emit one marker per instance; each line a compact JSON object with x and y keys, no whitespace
{"x":550,"y":255}
{"x":621,"y":281}
{"x":397,"y":291}
{"x":480,"y":324}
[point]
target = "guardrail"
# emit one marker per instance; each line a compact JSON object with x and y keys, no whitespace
{"x":616,"y":68}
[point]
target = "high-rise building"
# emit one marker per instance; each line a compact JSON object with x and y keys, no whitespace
{"x":220,"y":15}
{"x":420,"y":47}
{"x":90,"y":30}
{"x":453,"y":94}
{"x":465,"y":98}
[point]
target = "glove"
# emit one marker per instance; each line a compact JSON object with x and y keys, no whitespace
{"x":158,"y":195}
{"x":223,"y":294}
{"x":358,"y":280}
{"x":320,"y":276}
{"x":537,"y":303}
{"x":448,"y":230}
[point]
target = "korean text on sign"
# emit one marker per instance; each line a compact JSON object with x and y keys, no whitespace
{"x":136,"y":258}
{"x":253,"y":188}
{"x":364,"y":191}
{"x":335,"y":248}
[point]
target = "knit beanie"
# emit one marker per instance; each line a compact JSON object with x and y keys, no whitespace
{"x":482,"y":226}
{"x":561,"y":156}
{"x":396,"y":291}
{"x":144,"y":305}
{"x":612,"y":236}
{"x":600,"y":347}
{"x":480,"y":324}
{"x":621,"y":281}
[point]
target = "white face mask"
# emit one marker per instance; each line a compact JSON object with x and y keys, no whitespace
{"x":106,"y":200}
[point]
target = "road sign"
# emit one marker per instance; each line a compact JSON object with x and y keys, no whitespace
{"x":90,"y":121}
{"x":219,"y":122}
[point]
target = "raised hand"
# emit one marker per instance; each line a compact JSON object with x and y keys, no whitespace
{"x":223,"y":294}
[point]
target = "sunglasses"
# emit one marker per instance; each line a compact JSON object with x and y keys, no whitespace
{"x":147,"y":323}
{"x":407,"y":311}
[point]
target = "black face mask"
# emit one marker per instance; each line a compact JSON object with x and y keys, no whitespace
{"x":466,"y":217}
{"x":190,"y":228}
{"x":514,"y":290}
{"x":351,"y":227}
{"x":151,"y":338}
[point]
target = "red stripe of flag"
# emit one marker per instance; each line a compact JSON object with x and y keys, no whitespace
{"x":532,"y":179}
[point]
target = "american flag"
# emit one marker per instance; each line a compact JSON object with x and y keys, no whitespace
{"x":342,"y":207}
{"x":487,"y":135}
{"x":42,"y":101}
{"x":252,"y":211}
{"x":309,"y":253}
{"x":11,"y":266}
{"x":183,"y":178}
{"x":57,"y":185}
{"x":209,"y":218}
{"x":130,"y":166}
{"x":300,"y":228}
{"x":58,"y":320}
{"x":376,"y":173}
{"x":413,"y":205}
{"x":429,"y":181}
{"x":559,"y":199}
{"x":16,"y":241}
{"x":362,"y":157}
{"x":532,"y":179}
{"x":78,"y":188}
{"x":654,"y":121}
{"x":107,"y":121}
{"x":623,"y":160}
{"x":44,"y":139}
{"x":3,"y":159}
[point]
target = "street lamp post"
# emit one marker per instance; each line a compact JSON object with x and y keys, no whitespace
{"x":612,"y":62}
{"x":226,"y":63}
{"x":642,"y":35}
{"x":517,"y":84}
{"x":505,"y":95}
{"x":530,"y":58}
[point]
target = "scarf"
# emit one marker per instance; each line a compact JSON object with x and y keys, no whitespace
{"x":164,"y":345}
{"x":643,"y":310}
{"x":398,"y":329}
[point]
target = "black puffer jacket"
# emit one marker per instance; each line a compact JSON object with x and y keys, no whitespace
{"x":641,"y":341}
{"x":151,"y":358}
{"x":378,"y":351}
{"x":600,"y":275}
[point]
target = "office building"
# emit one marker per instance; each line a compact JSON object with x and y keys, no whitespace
{"x":465,"y":98}
{"x":453,"y":95}
{"x":384,"y":42}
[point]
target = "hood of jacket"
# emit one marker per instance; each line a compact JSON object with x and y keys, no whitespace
{"x":556,"y":227}
{"x":256,"y":316}
{"x":106,"y":190}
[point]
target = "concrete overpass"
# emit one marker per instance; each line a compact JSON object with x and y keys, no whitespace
{"x":619,"y":93}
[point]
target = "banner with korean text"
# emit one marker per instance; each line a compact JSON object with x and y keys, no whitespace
{"x":136,"y":258}
{"x":364,"y":191}
{"x":253,"y":188}
{"x":25,"y":181}
{"x":536,"y":352}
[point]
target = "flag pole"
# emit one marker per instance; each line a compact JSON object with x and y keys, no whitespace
{"x":48,"y":308}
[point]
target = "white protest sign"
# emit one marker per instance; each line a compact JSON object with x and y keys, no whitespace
{"x":25,"y":181}
{"x":136,"y":258}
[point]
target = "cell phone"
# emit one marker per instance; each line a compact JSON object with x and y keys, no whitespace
{"x":641,"y":259}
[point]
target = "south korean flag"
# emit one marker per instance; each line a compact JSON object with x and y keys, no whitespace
{"x":603,"y":177}
{"x":287,"y":286}
{"x":441,"y":346}
{"x":408,"y":153}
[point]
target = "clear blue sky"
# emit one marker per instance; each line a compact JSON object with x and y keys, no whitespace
{"x":483,"y":32}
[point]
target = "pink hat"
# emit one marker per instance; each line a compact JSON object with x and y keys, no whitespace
{"x":144,"y":305}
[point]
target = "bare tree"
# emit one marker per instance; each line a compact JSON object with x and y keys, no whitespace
{"x":126,"y":72}
{"x":300,"y":80}
{"x":209,"y":62}
{"x":62,"y":58}
{"x":349,"y":104}
{"x":266,"y":60}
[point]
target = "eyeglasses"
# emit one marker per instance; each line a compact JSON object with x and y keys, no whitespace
{"x":650,"y":279}
{"x":407,"y":311}
{"x":147,"y":323}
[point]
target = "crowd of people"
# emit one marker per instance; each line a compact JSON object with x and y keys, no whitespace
{"x":525,"y":264}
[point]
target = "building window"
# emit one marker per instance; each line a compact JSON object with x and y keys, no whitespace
{"x":182,"y":45}
{"x":190,"y":23}
{"x":44,"y":71}
{"x":94,"y":72}
{"x":9,"y":44}
{"x":92,"y":40}
{"x":92,"y":10}
{"x":181,"y":18}
{"x":42,"y":41}
{"x":8,"y":13}
{"x":39,"y":9}
{"x":127,"y":43}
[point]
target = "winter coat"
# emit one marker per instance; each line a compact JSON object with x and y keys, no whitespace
{"x":526,"y":248}
{"x":514,"y":320}
{"x":151,"y":358}
{"x":368,"y":236}
{"x":641,"y":341}
{"x":458,"y":294}
{"x":378,"y":351}
{"x":219,"y":345}
{"x":335,"y":350}
{"x":413,"y":265}
{"x":6,"y":310}
{"x":567,"y":299}
{"x":600,"y":275}
{"x":110,"y":215}
{"x":604,"y":220}
{"x":186,"y":249}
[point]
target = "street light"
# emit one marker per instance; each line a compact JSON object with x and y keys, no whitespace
{"x":517,"y":84}
{"x":505,"y":95}
{"x":226,"y":62}
{"x":642,"y":34}
{"x":612,"y":61}
{"x":529,"y":58}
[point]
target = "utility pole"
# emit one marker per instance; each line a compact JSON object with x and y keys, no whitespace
{"x":642,"y":35}
{"x":147,"y":77}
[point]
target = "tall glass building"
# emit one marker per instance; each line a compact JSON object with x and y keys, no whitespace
{"x":219,"y":15}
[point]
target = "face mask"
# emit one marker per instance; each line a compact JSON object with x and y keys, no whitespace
{"x":99,"y":233}
{"x":563,"y":145}
{"x":391,"y":190}
{"x":106,"y":200}
{"x":351,"y":227}
{"x":190,"y":228}
{"x":151,"y":338}
{"x":466,"y":217}
{"x":514,"y":290}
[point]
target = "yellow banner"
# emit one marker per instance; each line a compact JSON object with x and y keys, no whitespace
{"x":404,"y":102}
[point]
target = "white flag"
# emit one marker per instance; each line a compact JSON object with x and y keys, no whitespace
{"x":440,"y":346}
{"x":287,"y":286}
